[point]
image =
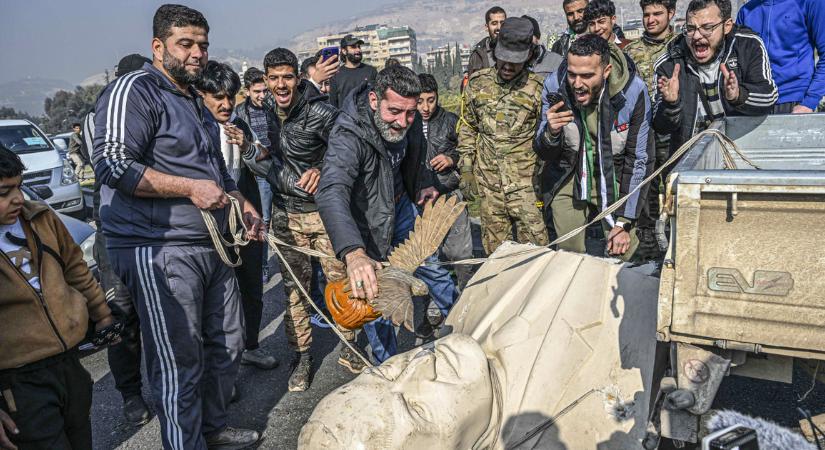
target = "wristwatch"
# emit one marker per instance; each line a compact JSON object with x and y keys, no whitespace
{"x":626,"y":225}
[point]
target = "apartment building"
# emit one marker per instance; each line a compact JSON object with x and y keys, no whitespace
{"x":380,"y":42}
{"x":463,"y":49}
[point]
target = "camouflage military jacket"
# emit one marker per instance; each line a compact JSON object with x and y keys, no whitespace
{"x":644,"y":52}
{"x":498,"y":123}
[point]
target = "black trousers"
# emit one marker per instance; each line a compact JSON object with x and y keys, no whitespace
{"x":124,"y":358}
{"x":250,"y":281}
{"x":50,"y":401}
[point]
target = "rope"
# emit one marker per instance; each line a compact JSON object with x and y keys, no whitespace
{"x":238,"y":236}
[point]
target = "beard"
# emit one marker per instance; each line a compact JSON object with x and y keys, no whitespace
{"x":579,"y":26}
{"x":388,"y":131}
{"x":177,"y":69}
{"x":354,"y":58}
{"x":595,"y":92}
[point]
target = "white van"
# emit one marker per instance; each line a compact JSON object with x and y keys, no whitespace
{"x":47,"y":173}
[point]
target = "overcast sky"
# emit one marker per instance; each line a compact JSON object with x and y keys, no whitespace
{"x":70,"y":40}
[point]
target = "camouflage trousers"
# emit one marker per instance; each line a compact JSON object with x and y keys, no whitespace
{"x":504,"y":214}
{"x":303,"y":230}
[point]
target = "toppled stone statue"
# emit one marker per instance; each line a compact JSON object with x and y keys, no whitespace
{"x":548,"y":350}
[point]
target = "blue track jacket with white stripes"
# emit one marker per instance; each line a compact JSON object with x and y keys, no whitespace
{"x":143,"y":120}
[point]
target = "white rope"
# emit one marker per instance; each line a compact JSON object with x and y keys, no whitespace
{"x":238,"y":236}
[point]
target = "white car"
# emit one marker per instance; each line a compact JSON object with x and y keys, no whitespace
{"x":47,"y":173}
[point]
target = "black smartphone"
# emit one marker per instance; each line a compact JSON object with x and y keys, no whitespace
{"x":555,"y":97}
{"x":732,"y":438}
{"x":327,"y":52}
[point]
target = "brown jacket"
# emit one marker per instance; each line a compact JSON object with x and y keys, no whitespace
{"x":36,"y":326}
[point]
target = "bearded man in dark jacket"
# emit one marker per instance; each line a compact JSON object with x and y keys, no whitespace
{"x":375,"y":165}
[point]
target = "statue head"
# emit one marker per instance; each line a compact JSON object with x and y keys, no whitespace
{"x":440,"y":396}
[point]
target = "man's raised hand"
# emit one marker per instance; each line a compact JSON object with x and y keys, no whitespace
{"x":325,"y":69}
{"x":556,"y":120}
{"x":731,"y":83}
{"x":669,"y":87}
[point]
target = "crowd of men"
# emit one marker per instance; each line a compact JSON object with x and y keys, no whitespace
{"x":337,"y":157}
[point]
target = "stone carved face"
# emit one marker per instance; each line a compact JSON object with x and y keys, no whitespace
{"x":438,"y":397}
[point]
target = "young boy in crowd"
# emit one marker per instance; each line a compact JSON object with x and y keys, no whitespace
{"x":48,"y":298}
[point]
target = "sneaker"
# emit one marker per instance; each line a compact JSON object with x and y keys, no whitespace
{"x":350,"y":360}
{"x":301,"y":373}
{"x":232,"y":439}
{"x":136,"y":411}
{"x":319,"y":321}
{"x":259,"y":359}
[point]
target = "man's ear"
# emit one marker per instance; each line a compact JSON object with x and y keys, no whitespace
{"x":373,"y":97}
{"x":670,"y":14}
{"x":157,"y":49}
{"x":607,"y":69}
{"x":728,"y":26}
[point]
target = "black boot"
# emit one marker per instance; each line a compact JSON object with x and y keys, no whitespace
{"x":301,"y":372}
{"x":135,"y":410}
{"x":232,"y":439}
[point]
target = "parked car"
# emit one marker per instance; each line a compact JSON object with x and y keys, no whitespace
{"x":61,"y":142}
{"x":47,"y":173}
{"x":82,"y":233}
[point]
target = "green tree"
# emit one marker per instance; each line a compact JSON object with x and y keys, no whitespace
{"x":458,"y":69}
{"x":66,"y":107}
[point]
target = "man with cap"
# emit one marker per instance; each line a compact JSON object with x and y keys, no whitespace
{"x":502,"y":107}
{"x":352,"y":74}
{"x":124,"y":358}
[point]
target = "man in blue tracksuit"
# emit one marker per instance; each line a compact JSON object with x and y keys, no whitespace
{"x":792,"y":31}
{"x":156,"y":155}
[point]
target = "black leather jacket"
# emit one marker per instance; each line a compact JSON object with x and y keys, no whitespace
{"x":442,"y":138}
{"x":302,"y":144}
{"x":356,"y":195}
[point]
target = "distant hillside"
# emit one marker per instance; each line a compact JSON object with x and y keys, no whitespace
{"x":437,"y":22}
{"x":27,"y":95}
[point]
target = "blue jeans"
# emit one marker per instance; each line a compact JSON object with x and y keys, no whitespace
{"x":266,"y":198}
{"x":266,"y":206}
{"x":381,"y":332}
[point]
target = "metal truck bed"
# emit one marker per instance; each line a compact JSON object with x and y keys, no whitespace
{"x":746,"y":265}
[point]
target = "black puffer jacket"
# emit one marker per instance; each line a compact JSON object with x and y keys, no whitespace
{"x":302,"y":143}
{"x":356,"y":195}
{"x":442,"y":138}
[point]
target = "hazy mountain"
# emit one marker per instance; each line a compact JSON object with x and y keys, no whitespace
{"x":27,"y":95}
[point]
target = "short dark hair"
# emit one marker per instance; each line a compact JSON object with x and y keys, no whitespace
{"x":76,"y":124}
{"x":491,"y":11}
{"x":589,"y":45}
{"x":10,"y":164}
{"x":536,"y":27}
{"x":251,"y":76}
{"x":567,"y":2}
{"x":428,"y":83}
{"x":307,"y":63}
{"x":168,"y":16}
{"x":392,"y":62}
{"x":218,"y":77}
{"x":670,"y":5}
{"x":280,"y":57}
{"x":599,"y":8}
{"x":696,"y":5}
{"x":400,"y":79}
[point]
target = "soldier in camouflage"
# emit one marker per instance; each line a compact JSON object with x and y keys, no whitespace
{"x":501,"y":109}
{"x":656,"y":17}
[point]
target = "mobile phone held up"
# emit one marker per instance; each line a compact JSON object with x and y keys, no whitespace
{"x":555,"y":97}
{"x":328,"y":52}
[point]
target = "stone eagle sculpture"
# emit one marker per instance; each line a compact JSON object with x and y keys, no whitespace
{"x":396,"y":282}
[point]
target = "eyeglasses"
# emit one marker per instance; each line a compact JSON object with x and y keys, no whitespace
{"x":704,"y":30}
